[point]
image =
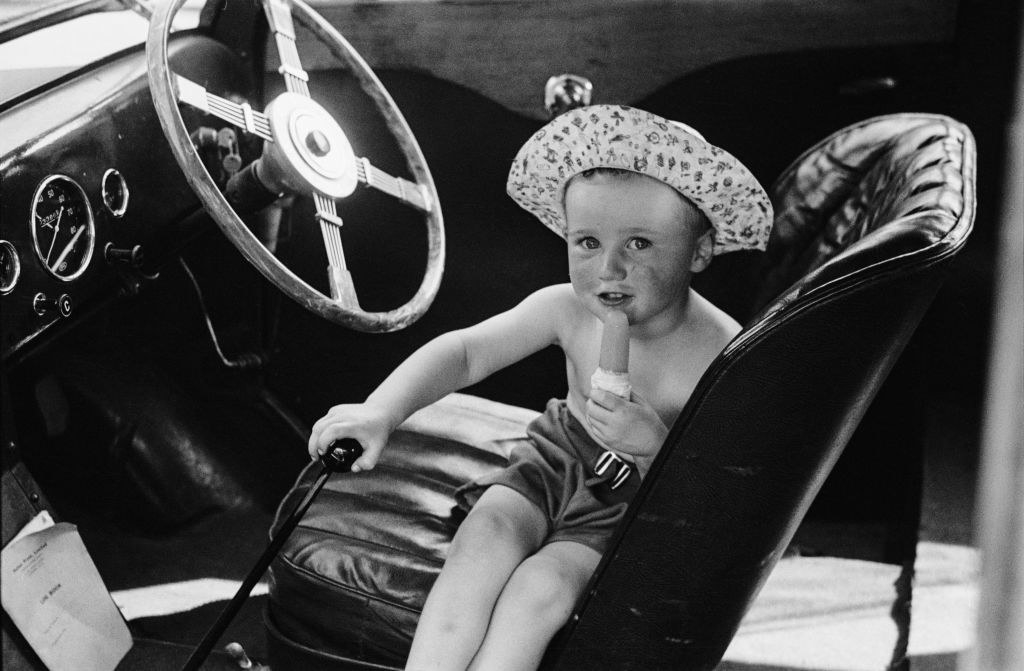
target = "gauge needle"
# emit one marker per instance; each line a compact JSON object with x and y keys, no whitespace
{"x":67,"y":249}
{"x":56,"y":228}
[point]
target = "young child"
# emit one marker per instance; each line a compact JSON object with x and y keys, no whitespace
{"x":643,"y":203}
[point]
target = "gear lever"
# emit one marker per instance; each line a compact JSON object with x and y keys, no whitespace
{"x":338,"y":459}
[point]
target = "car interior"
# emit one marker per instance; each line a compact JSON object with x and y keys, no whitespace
{"x":172,"y":328}
{"x":855,"y":276}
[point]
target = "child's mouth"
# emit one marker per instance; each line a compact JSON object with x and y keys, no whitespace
{"x":612,"y":298}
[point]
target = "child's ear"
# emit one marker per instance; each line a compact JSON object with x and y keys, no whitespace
{"x":703,"y":250}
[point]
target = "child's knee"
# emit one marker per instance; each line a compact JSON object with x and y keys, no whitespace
{"x":546,"y":590}
{"x":483,"y":530}
{"x":502,"y":522}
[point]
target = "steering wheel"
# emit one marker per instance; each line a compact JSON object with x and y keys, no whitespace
{"x":305,"y":152}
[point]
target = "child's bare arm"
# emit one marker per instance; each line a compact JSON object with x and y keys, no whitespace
{"x":447,"y":363}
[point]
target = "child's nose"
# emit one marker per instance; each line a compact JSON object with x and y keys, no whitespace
{"x":613,"y":266}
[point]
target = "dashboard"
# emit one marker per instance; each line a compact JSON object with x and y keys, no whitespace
{"x":93,"y":202}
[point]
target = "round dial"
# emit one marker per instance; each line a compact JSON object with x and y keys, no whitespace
{"x":10,"y":267}
{"x":115,"y":192}
{"x":62,"y":227}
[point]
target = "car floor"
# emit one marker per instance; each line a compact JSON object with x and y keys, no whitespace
{"x":171,"y":588}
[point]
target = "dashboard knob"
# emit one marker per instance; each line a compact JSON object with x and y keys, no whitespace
{"x":44,"y":305}
{"x":133,"y":256}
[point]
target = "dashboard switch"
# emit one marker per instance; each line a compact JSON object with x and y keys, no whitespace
{"x":132,"y":257}
{"x":46,"y":306}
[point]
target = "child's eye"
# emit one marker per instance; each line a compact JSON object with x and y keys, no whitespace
{"x":639,"y":243}
{"x":588,"y":243}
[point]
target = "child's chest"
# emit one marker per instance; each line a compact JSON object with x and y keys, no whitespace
{"x":664,"y":374}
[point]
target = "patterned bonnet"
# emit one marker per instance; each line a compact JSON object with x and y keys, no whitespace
{"x":615,"y":136}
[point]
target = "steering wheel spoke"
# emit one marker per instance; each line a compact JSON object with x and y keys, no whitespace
{"x":342,"y":288}
{"x":279,"y":19}
{"x":410,"y":193}
{"x":241,"y":115}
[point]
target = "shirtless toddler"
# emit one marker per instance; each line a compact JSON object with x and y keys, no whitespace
{"x":643,"y":203}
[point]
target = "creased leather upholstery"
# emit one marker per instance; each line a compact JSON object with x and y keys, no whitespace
{"x":352,"y":578}
{"x":905,"y":172}
{"x":866,"y":220}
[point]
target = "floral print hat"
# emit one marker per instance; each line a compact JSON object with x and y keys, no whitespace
{"x":616,"y":136}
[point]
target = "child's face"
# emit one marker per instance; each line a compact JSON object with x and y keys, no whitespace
{"x":633,"y":245}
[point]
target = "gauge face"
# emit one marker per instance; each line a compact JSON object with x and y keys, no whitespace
{"x":115,"y":192}
{"x":10,"y":267}
{"x":62,"y":227}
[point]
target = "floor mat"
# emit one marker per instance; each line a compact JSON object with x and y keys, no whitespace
{"x":189,"y":627}
{"x":172,"y":588}
{"x":178,"y":597}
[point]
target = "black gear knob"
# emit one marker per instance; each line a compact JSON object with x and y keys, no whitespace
{"x":341,"y":454}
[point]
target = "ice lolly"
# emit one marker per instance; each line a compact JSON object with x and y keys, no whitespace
{"x":615,"y":343}
{"x":612,"y":372}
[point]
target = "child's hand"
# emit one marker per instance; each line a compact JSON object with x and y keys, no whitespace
{"x":630,"y":426}
{"x":368,"y":424}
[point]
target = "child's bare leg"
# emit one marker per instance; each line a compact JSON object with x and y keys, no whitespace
{"x":501,"y":529}
{"x":537,"y":600}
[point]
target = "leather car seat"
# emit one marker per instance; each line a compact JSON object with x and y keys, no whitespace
{"x":866,"y":222}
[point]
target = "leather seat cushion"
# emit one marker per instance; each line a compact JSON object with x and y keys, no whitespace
{"x":371,"y":545}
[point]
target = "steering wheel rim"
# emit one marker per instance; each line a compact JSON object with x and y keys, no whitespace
{"x":343,"y":310}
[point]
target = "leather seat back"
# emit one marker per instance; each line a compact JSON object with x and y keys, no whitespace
{"x":866,"y":221}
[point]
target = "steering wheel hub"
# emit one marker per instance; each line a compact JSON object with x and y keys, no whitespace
{"x":310,"y":151}
{"x":317,"y":143}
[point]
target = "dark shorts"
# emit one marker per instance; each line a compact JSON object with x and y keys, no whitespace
{"x":555,"y":470}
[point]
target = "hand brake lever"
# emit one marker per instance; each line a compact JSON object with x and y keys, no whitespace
{"x":340,"y":456}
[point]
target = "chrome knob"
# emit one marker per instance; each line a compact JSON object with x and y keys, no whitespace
{"x":43,"y":305}
{"x":565,"y":92}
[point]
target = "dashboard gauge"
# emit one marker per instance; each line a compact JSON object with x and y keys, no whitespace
{"x":10,"y":267}
{"x":62,"y":227}
{"x":115,"y":192}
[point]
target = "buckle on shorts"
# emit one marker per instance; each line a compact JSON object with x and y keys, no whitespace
{"x":607,"y":461}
